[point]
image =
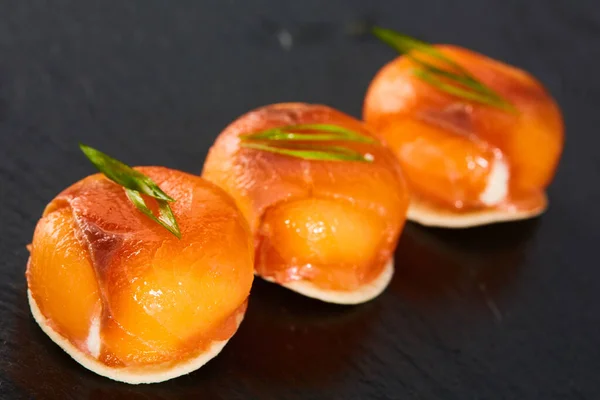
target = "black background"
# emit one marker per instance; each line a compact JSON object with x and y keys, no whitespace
{"x":503,"y":312}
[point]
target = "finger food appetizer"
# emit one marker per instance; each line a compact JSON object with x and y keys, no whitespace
{"x":478,"y":140}
{"x":141,"y":275}
{"x":325,"y":201}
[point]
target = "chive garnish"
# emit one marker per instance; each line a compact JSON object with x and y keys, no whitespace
{"x":135,"y":184}
{"x":450,"y":78}
{"x":299,"y":141}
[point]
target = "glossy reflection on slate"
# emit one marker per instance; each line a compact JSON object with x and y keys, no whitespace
{"x":476,"y":263}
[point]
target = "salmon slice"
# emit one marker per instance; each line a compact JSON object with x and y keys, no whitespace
{"x":468,"y":156}
{"x":124,"y":290}
{"x":334,"y":224}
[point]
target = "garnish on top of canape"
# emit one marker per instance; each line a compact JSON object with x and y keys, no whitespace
{"x":135,"y":184}
{"x":479,"y":141}
{"x":128,"y":275}
{"x":442,"y":72}
{"x":303,"y":141}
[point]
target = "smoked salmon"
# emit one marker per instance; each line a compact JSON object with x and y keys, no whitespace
{"x":125,"y":297}
{"x":324,"y":228}
{"x":467,"y":163}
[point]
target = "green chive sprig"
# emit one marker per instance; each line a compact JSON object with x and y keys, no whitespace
{"x":450,"y":78}
{"x":135,"y":184}
{"x":299,"y":141}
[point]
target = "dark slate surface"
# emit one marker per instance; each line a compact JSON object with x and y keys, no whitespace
{"x":504,"y":312}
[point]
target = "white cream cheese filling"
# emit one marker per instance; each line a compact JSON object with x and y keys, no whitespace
{"x":93,"y":341}
{"x":496,"y":189}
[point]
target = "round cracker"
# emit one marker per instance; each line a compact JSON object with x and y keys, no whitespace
{"x":131,"y":375}
{"x":424,"y":213}
{"x":361,"y":295}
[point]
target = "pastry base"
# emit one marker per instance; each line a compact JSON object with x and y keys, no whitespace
{"x":425,"y":214}
{"x":365,"y":293}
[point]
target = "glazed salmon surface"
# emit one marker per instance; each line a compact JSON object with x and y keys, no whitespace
{"x":123,"y":289}
{"x":449,"y":148}
{"x":333,"y":223}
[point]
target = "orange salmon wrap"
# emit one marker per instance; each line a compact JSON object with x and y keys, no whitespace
{"x":126,"y":298}
{"x":468,"y":163}
{"x":326,"y":229}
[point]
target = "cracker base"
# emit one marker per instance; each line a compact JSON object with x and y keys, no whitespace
{"x":363,"y":294}
{"x":428,"y":215}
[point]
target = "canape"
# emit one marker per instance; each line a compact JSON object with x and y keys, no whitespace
{"x":478,"y":140}
{"x":325,"y":201}
{"x":127,"y":298}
